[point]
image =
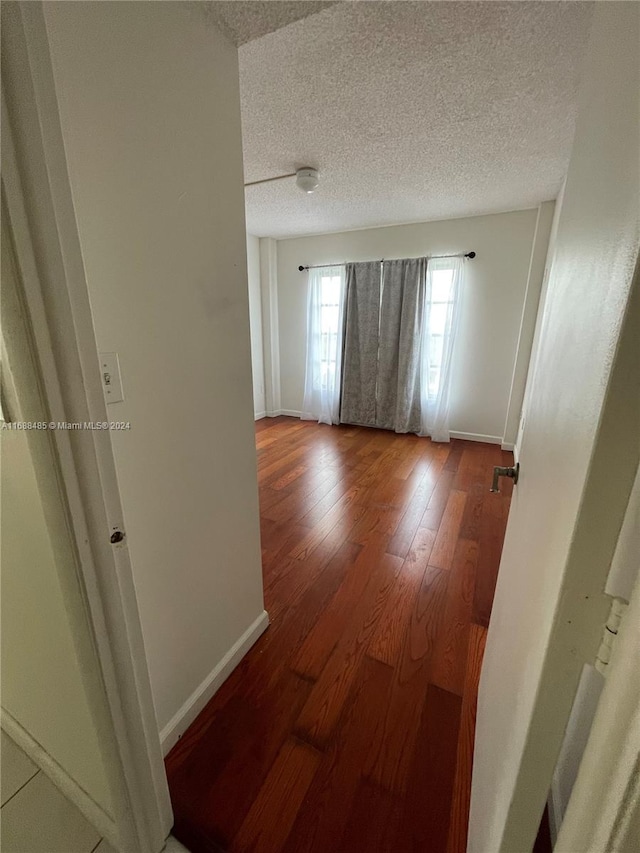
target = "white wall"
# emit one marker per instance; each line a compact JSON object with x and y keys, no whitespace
{"x":149,"y":103}
{"x":533,"y":302}
{"x":270,"y":332}
{"x":255,"y":322}
{"x":535,"y":340}
{"x":42,"y":687}
{"x":496,"y":285}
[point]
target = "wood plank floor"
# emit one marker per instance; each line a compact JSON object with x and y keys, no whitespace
{"x":349,"y":726}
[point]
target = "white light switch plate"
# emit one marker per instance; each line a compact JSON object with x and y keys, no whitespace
{"x":111,"y":379}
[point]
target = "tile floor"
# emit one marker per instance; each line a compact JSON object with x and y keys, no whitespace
{"x":36,"y":818}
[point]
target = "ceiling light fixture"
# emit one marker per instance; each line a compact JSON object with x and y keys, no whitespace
{"x":306,"y":179}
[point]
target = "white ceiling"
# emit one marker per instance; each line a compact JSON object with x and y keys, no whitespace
{"x":411,"y":111}
{"x":244,"y":20}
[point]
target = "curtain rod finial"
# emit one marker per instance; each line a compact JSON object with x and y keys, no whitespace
{"x":470,"y":255}
{"x":301,"y":269}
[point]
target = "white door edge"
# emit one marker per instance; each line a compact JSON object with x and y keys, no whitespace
{"x":603,"y":812}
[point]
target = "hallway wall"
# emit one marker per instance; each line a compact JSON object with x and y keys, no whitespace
{"x":255,"y":321}
{"x":150,"y":115}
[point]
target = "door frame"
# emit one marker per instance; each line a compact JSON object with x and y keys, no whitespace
{"x":603,"y":812}
{"x":38,"y":204}
{"x":584,"y":603}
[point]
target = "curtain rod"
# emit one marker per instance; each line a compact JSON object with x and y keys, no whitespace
{"x":470,"y":255}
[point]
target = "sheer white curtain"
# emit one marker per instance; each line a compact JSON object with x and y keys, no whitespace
{"x":439,"y":326}
{"x":325,"y":313}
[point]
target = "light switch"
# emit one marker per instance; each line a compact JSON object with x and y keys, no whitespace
{"x":111,"y":379}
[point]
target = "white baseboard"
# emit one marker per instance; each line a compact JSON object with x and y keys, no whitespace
{"x":473,"y":436}
{"x":257,"y":416}
{"x":102,"y":822}
{"x":277,"y":412}
{"x":180,"y":722}
{"x":467,"y":436}
{"x":507,"y":446}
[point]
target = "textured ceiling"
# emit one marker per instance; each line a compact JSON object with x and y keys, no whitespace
{"x":411,"y":111}
{"x":244,"y":20}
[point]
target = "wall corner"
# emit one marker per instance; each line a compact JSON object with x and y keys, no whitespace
{"x":270,"y":326}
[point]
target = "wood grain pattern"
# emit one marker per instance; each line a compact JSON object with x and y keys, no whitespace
{"x":457,"y":840}
{"x":438,"y":501}
{"x":450,"y":654}
{"x":289,"y":478}
{"x":310,"y":659}
{"x":322,"y":819}
{"x":388,"y":764}
{"x":307,"y":491}
{"x":373,"y":821}
{"x":429,"y":790}
{"x":322,"y":709}
{"x":274,"y":810}
{"x":349,"y":725}
{"x":388,"y":638}
{"x":444,"y":546}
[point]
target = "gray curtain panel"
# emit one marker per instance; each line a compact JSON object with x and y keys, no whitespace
{"x":398,"y":404}
{"x":360,"y":352}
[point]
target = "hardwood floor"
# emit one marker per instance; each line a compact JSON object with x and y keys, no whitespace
{"x":349,"y":725}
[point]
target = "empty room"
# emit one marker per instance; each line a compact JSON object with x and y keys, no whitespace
{"x":320,"y":404}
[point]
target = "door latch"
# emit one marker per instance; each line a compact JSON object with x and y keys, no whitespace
{"x":499,"y":471}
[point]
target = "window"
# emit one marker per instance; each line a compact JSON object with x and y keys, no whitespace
{"x":325,"y":305}
{"x":403,"y":380}
{"x":330,"y":293}
{"x":440,"y":307}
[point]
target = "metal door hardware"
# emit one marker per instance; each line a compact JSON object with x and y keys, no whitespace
{"x":499,"y":471}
